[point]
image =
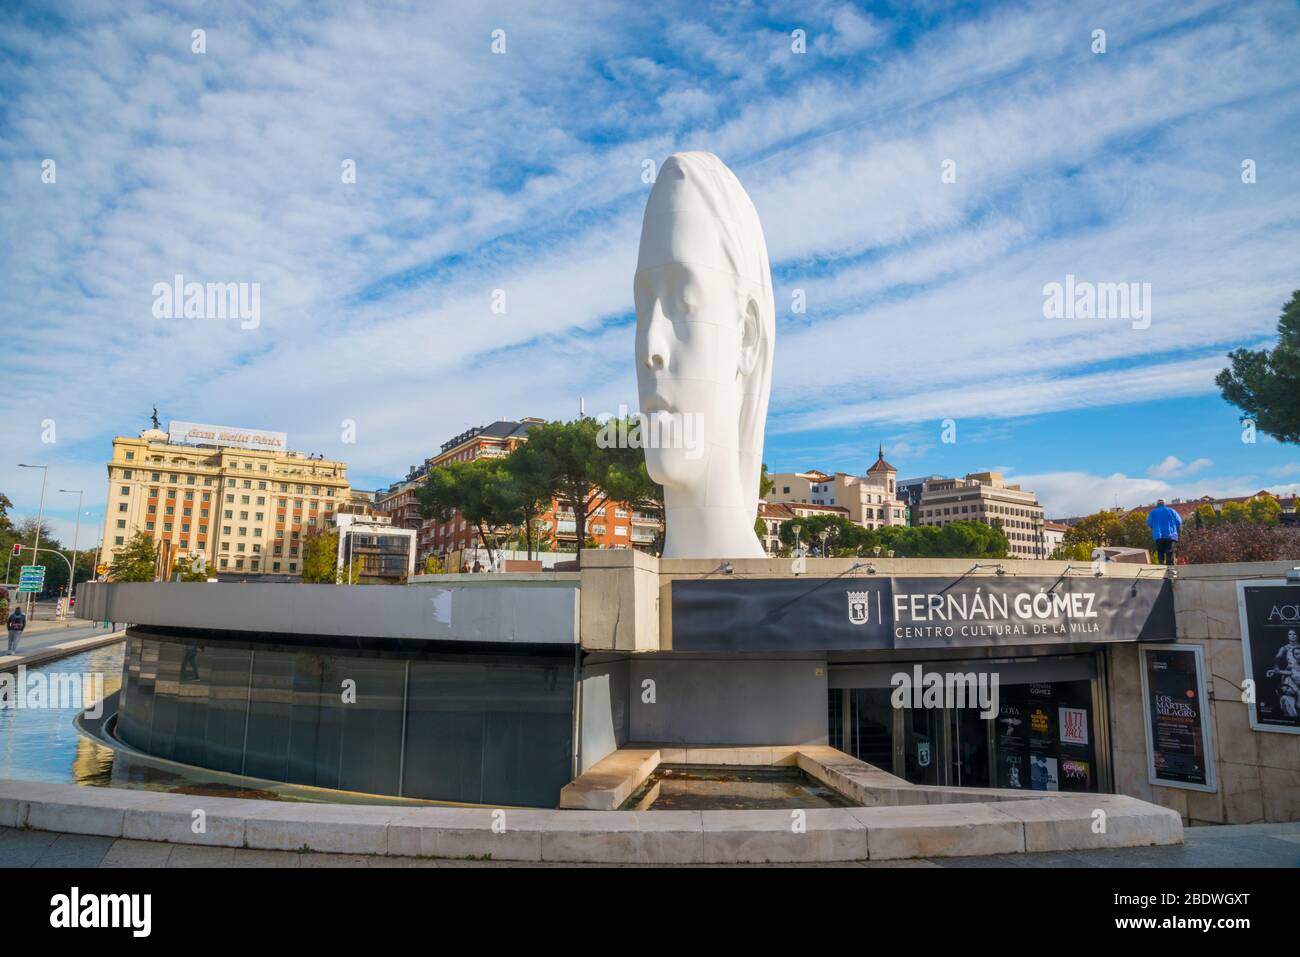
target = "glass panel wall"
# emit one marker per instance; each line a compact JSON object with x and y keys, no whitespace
{"x":489,"y":731}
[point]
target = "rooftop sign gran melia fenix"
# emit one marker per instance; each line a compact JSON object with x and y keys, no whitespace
{"x":194,"y":433}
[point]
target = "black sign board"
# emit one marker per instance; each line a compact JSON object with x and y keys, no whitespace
{"x":1270,"y":645}
{"x":1177,"y":720}
{"x":859,"y":612}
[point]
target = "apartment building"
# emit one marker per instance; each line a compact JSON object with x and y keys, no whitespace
{"x":234,"y":502}
{"x":775,"y":514}
{"x":609,"y":525}
{"x":870,"y":500}
{"x":1053,"y":537}
{"x":985,"y":497}
{"x":910,"y":490}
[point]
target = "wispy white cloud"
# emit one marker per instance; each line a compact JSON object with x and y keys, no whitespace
{"x":522,"y":172}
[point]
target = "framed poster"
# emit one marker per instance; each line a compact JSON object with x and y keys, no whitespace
{"x":1180,"y":753}
{"x":1270,"y":648}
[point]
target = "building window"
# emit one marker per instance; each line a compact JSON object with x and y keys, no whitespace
{"x":130,"y":456}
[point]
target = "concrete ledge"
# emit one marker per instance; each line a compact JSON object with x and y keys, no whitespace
{"x":645,"y":837}
{"x":744,"y":837}
{"x":965,"y":830}
{"x":1089,"y":821}
{"x":611,"y":780}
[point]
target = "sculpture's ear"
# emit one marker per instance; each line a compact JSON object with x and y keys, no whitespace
{"x":750,"y":344}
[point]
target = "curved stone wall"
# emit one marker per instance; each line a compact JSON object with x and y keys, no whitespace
{"x":476,"y":729}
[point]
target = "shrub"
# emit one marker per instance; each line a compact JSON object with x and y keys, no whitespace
{"x":1239,"y":542}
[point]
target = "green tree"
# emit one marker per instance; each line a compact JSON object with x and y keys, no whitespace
{"x":842,"y":537}
{"x":479,"y":491}
{"x":577,"y":471}
{"x":1265,"y":510}
{"x":1265,"y":384}
{"x":527,"y":493}
{"x":136,"y":561}
{"x":1234,"y":513}
{"x":320,"y":557}
{"x":186,"y":570}
{"x":765,"y":484}
{"x":1094,"y":531}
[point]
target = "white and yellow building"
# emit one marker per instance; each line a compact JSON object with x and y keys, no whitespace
{"x":233,"y":511}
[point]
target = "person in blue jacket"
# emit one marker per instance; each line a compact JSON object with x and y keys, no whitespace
{"x":1164,"y":523}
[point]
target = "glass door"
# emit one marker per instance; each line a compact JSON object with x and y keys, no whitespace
{"x":969,"y":748}
{"x":870,"y":731}
{"x":925,"y":746}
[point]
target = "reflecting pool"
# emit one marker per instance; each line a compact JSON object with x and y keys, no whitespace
{"x":682,"y":787}
{"x":44,"y":743}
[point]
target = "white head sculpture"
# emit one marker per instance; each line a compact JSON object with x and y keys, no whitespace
{"x":705,"y":327}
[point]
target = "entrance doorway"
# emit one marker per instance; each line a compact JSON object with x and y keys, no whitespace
{"x":1046,"y":735}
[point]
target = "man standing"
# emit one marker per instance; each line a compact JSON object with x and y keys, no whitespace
{"x":1164,"y":523}
{"x":15,"y":624}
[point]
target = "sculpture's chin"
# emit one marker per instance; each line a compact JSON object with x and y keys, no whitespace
{"x":671,"y":468}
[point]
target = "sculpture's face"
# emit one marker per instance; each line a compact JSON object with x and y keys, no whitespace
{"x":697,"y":332}
{"x":688,"y":354}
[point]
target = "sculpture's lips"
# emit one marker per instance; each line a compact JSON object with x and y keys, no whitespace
{"x":656,"y":404}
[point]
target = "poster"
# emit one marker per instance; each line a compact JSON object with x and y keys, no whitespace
{"x":1042,"y":773}
{"x":1270,"y":647}
{"x":1076,"y":775}
{"x":1074,"y":726}
{"x":1175,"y":706}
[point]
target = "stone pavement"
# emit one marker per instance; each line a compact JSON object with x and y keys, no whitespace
{"x":1244,"y":845}
{"x":41,"y":636}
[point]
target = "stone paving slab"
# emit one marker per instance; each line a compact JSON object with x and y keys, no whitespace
{"x":75,"y":850}
{"x":126,"y":853}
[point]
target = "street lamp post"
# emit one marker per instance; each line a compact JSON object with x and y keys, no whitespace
{"x":40,"y":517}
{"x":76,"y":534}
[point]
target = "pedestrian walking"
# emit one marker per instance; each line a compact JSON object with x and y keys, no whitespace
{"x":1164,"y":523}
{"x":15,"y":624}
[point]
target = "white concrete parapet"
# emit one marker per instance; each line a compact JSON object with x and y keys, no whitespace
{"x":1059,"y":822}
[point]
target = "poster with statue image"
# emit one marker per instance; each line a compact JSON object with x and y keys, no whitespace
{"x":1270,"y":647}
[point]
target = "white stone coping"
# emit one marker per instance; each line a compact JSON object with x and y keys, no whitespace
{"x":648,"y":837}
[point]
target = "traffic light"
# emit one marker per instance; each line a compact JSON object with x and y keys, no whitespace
{"x":18,"y":548}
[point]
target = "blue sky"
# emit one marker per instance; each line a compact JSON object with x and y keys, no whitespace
{"x":522,"y":171}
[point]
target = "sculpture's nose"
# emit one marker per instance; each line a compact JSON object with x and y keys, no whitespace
{"x":656,"y":356}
